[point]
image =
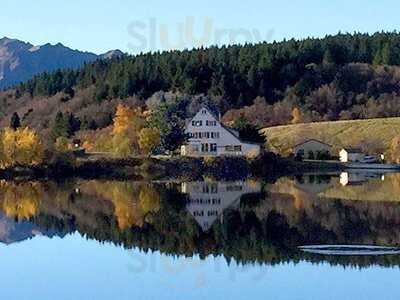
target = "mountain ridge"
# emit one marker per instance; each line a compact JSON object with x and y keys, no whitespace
{"x":21,"y":61}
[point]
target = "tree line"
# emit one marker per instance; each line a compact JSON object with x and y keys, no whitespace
{"x":234,"y":74}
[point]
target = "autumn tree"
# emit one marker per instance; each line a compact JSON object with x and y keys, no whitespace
{"x":149,"y":140}
{"x":297,"y":116}
{"x":62,"y":144}
{"x":128,"y":123}
{"x":20,"y":147}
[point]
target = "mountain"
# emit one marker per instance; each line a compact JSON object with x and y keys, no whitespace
{"x":12,"y":231}
{"x":20,"y":61}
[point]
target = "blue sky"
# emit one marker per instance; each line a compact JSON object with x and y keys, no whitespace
{"x":135,"y":26}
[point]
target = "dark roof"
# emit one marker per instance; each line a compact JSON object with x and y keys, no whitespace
{"x":231,"y":131}
{"x":312,"y":140}
{"x":214,"y":112}
{"x":353,"y":150}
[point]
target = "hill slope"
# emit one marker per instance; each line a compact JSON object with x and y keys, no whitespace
{"x":375,"y":134}
{"x":20,"y":61}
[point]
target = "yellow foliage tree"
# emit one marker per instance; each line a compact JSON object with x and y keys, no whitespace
{"x":20,"y":147}
{"x":297,"y":116}
{"x":128,"y":122}
{"x":149,"y":140}
{"x":62,"y":144}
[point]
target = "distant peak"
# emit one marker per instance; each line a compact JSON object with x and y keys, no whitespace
{"x":112,"y":54}
{"x":14,"y":43}
{"x":6,"y":40}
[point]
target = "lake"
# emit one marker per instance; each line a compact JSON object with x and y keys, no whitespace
{"x":316,"y":236}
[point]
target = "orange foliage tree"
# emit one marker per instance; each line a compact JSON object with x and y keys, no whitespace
{"x":297,"y":116}
{"x":128,"y":123}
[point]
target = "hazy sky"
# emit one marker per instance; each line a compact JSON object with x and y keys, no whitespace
{"x":144,"y":25}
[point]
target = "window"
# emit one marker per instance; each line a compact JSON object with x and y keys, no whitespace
{"x":231,"y":148}
{"x":215,"y":135}
{"x":204,"y":147}
{"x":204,"y":112}
{"x":211,"y":123}
{"x":213,"y":147}
{"x":234,"y":188}
{"x":197,"y":123}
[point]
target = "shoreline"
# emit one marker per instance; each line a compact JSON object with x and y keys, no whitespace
{"x":269,"y":167}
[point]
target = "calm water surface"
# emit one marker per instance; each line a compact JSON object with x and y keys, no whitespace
{"x":196,"y":240}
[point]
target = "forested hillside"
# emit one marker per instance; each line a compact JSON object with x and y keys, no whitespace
{"x":346,"y":76}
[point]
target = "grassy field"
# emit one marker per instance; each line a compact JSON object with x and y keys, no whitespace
{"x":374,"y":132}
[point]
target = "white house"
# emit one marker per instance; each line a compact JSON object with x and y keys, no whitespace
{"x":351,"y":155}
{"x":208,"y":137}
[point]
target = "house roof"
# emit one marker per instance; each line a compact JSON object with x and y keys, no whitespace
{"x":214,"y":112}
{"x":352,"y":150}
{"x":312,"y":140}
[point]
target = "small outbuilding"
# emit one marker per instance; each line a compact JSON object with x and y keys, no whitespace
{"x":351,"y":155}
{"x":312,"y":149}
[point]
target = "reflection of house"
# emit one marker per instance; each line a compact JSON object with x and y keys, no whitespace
{"x":353,"y":179}
{"x":313,"y":184}
{"x":208,"y":137}
{"x":351,"y":155}
{"x":207,"y":200}
{"x":347,"y":179}
{"x":312,"y":149}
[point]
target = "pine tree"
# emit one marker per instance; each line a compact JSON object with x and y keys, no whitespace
{"x":386,"y":55}
{"x":328,"y":58}
{"x":378,"y":60}
{"x":60,"y":127}
{"x":15,"y":122}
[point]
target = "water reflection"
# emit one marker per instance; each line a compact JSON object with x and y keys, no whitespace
{"x":246,"y":221}
{"x":207,"y":201}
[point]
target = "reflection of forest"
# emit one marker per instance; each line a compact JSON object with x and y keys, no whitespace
{"x":251,"y":226}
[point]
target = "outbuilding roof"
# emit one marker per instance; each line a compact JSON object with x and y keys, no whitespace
{"x":312,"y":140}
{"x":352,"y":150}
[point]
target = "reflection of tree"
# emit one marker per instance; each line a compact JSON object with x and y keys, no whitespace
{"x":20,"y":201}
{"x":132,"y":201}
{"x":153,"y":216}
{"x":149,"y":199}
